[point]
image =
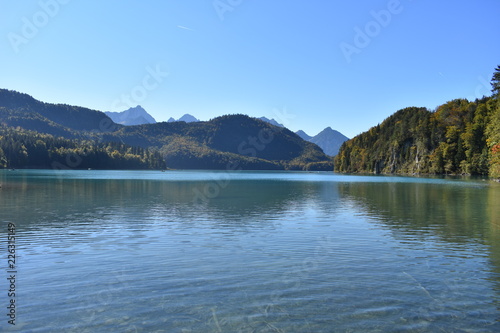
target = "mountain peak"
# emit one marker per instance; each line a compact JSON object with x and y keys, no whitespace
{"x":271,"y":121}
{"x":303,"y":135}
{"x":186,"y":118}
{"x":329,"y":140}
{"x":132,"y":116}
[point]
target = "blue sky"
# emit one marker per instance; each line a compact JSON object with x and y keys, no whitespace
{"x":309,"y":64}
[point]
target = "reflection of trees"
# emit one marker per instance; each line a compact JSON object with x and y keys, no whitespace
{"x":274,"y":199}
{"x":59,"y":202}
{"x":454,"y":212}
{"x":461,"y":214}
{"x":493,"y":211}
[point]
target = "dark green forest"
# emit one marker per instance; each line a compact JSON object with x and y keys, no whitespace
{"x":27,"y":149}
{"x":458,"y":138}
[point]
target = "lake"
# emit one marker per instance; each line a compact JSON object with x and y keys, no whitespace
{"x":197,"y":251}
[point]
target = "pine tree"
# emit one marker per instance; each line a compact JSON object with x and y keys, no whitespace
{"x":495,"y":82}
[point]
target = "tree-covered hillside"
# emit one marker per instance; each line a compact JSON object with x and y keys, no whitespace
{"x":71,"y":117}
{"x":21,"y":148}
{"x":459,"y":137}
{"x":249,"y":142}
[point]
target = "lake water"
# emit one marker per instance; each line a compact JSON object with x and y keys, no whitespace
{"x":195,"y":251}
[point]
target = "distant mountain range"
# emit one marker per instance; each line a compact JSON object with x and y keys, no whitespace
{"x":328,"y":139}
{"x":139,"y":116}
{"x":132,"y":116}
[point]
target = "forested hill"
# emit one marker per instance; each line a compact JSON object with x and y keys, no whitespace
{"x":460,"y":137}
{"x":27,"y":112}
{"x":249,"y":142}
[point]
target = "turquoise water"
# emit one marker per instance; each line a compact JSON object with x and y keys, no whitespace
{"x":196,"y":251}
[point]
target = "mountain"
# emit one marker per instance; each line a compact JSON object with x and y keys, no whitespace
{"x":329,"y":140}
{"x":248,"y":142}
{"x":37,"y":134}
{"x":459,"y":137}
{"x":132,"y":116}
{"x":186,"y":118}
{"x":20,"y":109}
{"x":303,"y":135}
{"x":271,"y":121}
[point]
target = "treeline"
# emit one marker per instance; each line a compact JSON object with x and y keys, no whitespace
{"x":459,"y":137}
{"x":187,"y":153}
{"x":21,"y":148}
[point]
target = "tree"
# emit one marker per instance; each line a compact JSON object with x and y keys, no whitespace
{"x":495,"y":82}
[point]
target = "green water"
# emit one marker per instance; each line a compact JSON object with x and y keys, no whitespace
{"x":195,"y":251}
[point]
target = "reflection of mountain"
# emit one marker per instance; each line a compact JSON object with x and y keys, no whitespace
{"x":456,"y":216}
{"x":246,"y":202}
{"x":461,"y":214}
{"x":455,"y":213}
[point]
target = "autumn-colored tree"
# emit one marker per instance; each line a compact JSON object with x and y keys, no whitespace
{"x":493,"y":129}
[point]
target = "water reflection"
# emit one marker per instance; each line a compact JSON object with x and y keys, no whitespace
{"x":458,"y":213}
{"x":296,"y":251}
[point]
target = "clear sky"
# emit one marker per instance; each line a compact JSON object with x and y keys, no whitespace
{"x":309,"y":64}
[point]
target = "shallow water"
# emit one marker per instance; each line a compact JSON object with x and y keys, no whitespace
{"x":196,"y":251}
